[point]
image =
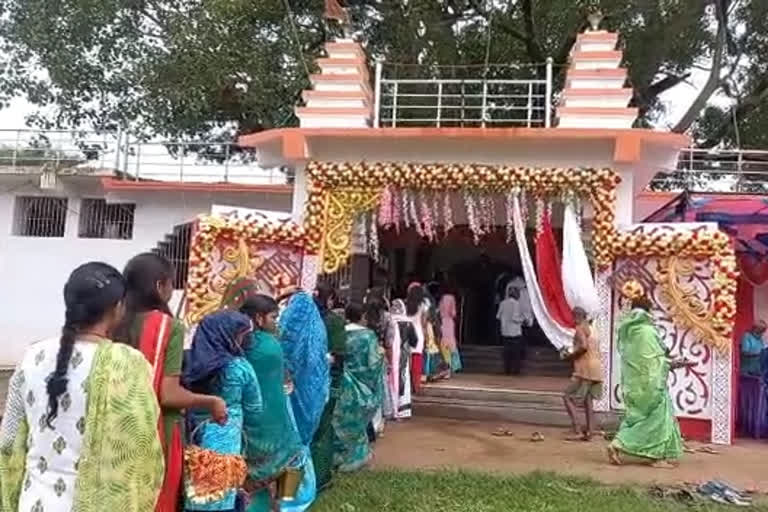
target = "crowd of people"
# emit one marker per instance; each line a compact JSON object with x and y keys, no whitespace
{"x":298,"y":387}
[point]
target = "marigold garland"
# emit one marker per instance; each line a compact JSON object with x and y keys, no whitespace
{"x":596,"y":185}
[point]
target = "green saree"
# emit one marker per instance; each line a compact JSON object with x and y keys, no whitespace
{"x":649,"y":429}
{"x":359,"y":398}
{"x":322,"y":444}
{"x":121,"y":459}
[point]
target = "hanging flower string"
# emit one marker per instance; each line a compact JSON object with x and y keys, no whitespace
{"x":396,"y":219}
{"x":426,"y":217}
{"x":373,"y":237}
{"x":386,"y":208}
{"x":510,"y":217}
{"x":447,"y":213}
{"x":474,"y":224}
{"x":405,"y":200}
{"x":414,"y":214}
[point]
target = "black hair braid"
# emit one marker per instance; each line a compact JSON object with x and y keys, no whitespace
{"x":91,"y":290}
{"x":57,"y":382}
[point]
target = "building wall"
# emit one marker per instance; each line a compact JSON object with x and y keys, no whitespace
{"x":33,"y":270}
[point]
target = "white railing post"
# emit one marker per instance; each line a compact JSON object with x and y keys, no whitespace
{"x":485,"y":102}
{"x":138,"y":159}
{"x":548,"y":95}
{"x":530,"y":104}
{"x":16,"y":150}
{"x":394,"y":103}
{"x":227,"y":155}
{"x":377,"y":94}
{"x":439,"y":101}
{"x":117,"y":148}
{"x":126,"y":153}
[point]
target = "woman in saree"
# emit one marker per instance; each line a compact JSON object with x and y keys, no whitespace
{"x":304,"y":339}
{"x":272,"y":441}
{"x":649,"y":431}
{"x":215,"y":365}
{"x":360,"y":393}
{"x":403,"y":341}
{"x":79,"y":430}
{"x":150,"y":327}
{"x":322,"y":444}
{"x":448,"y":344}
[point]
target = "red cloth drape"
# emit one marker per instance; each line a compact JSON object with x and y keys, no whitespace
{"x":754,"y":268}
{"x":745,"y":313}
{"x":548,"y":273}
{"x":745,"y":318}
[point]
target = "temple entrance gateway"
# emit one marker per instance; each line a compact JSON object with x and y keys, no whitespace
{"x":353,"y":174}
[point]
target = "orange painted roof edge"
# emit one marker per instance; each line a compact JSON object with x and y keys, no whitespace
{"x":120,"y":184}
{"x":628,"y":142}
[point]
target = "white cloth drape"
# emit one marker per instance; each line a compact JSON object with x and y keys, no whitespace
{"x":558,"y":335}
{"x":578,"y":283}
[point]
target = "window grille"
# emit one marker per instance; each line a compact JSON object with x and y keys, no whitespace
{"x":101,"y":220}
{"x":40,"y":216}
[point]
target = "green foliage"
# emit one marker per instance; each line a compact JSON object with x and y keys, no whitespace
{"x":214,"y":68}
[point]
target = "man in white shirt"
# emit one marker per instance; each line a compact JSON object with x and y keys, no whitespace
{"x":511,"y":317}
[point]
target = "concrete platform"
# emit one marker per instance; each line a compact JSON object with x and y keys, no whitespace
{"x":526,"y":400}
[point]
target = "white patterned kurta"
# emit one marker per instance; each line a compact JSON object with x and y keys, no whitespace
{"x":53,"y":453}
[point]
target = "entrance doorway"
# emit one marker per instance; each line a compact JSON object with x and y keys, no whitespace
{"x":478,"y":275}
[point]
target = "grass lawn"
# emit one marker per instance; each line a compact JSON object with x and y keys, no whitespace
{"x":448,"y":491}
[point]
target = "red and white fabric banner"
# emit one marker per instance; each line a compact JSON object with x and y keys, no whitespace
{"x":548,"y":272}
{"x":559,"y":335}
{"x":578,"y":283}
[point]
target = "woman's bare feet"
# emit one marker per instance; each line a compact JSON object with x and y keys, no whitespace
{"x":614,"y":457}
{"x":664,"y":464}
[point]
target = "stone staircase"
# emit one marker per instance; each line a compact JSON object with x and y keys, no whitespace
{"x":457,"y":401}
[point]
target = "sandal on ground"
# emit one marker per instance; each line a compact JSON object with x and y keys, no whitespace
{"x":537,"y":437}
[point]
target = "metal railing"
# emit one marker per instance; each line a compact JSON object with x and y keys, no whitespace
{"x":120,"y":153}
{"x":719,"y":170}
{"x":463,"y":102}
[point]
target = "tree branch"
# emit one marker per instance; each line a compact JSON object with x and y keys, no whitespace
{"x":531,"y":44}
{"x":714,"y":80}
{"x":741,"y":110}
{"x":480,"y":10}
{"x":642,"y":98}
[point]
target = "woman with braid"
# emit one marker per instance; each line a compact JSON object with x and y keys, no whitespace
{"x":150,"y":327}
{"x":79,"y":430}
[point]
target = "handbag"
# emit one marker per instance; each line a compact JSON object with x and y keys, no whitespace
{"x":210,"y":475}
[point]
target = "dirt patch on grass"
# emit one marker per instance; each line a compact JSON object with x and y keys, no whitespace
{"x":429,"y":443}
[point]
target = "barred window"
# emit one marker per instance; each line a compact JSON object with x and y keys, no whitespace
{"x":101,"y":220}
{"x":40,"y":216}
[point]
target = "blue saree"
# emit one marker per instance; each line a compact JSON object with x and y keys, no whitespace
{"x":305,"y":345}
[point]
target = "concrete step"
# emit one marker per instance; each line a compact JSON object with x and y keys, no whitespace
{"x":467,"y":394}
{"x":544,"y":413}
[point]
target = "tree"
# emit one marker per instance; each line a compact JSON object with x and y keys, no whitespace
{"x":216,"y":68}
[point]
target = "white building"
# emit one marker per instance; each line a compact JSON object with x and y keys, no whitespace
{"x":46,"y":232}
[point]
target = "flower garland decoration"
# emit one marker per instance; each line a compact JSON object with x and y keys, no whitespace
{"x":598,"y":186}
{"x":700,"y":244}
{"x":244,"y":231}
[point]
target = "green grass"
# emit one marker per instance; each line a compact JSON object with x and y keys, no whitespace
{"x":449,"y":491}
